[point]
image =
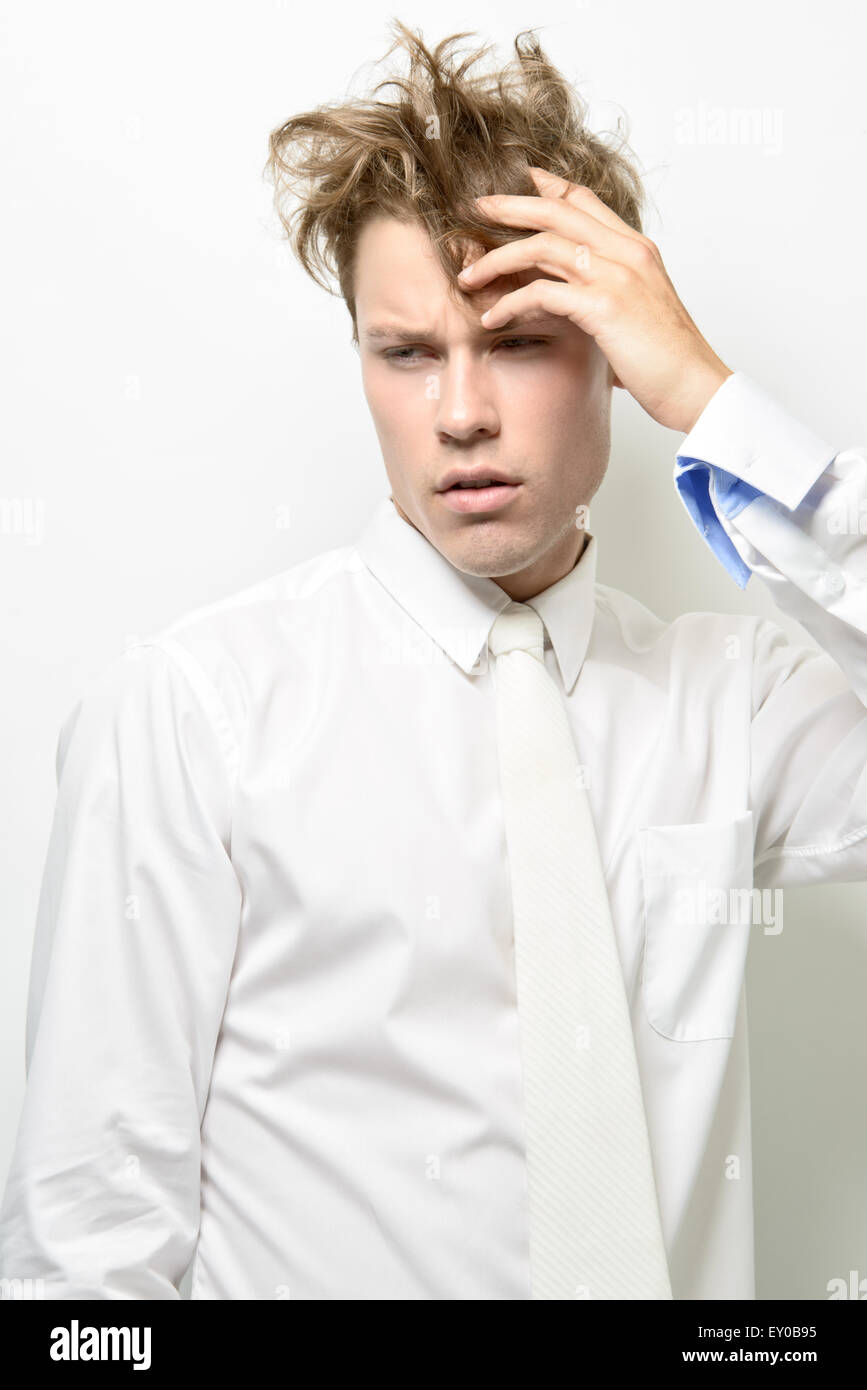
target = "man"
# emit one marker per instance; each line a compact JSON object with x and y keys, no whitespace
{"x":296,"y":1009}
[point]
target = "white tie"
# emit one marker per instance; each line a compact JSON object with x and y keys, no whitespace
{"x":595,"y":1228}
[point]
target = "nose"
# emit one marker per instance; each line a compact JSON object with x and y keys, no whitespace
{"x":466,"y":405}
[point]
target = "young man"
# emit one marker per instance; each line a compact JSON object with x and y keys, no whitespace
{"x":392,"y":933}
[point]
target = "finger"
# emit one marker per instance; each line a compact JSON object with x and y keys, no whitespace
{"x":578,"y":195}
{"x":556,"y":215}
{"x":545,"y":296}
{"x":545,"y":251}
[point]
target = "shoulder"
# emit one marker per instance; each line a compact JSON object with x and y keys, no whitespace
{"x":193,"y":677}
{"x":229,"y":647}
{"x":242,"y":617}
{"x":626,"y":620}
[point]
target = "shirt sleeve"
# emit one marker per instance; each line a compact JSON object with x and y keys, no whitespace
{"x":773,"y":499}
{"x":135,"y":937}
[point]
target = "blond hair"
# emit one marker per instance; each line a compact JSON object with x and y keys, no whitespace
{"x":449,"y":136}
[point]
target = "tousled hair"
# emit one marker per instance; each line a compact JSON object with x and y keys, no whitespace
{"x":448,"y":136}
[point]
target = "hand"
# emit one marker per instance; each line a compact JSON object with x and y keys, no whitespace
{"x":612,"y":285}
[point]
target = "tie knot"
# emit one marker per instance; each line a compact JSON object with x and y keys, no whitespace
{"x":518,"y":628}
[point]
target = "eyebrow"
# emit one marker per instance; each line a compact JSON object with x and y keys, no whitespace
{"x":378,"y":331}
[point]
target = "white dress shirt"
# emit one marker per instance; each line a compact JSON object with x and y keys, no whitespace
{"x":272,"y":1018}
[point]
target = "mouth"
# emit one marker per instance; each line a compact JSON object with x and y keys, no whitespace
{"x":484,"y":495}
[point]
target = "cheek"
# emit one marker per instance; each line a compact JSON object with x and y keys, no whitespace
{"x":370,"y":385}
{"x":565,"y":421}
{"x":380,"y":400}
{"x":393,"y":404}
{"x":550,"y":400}
{"x":577,"y":398}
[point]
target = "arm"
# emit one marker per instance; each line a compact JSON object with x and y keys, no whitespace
{"x":771,"y":498}
{"x":135,"y":937}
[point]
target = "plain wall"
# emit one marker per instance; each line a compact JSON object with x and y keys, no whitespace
{"x":175,"y":389}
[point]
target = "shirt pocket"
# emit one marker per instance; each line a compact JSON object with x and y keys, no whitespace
{"x":698,"y":898}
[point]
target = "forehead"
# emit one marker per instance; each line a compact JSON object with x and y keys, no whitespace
{"x":398,"y":276}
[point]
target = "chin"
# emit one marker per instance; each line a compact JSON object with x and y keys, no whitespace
{"x":487,"y":559}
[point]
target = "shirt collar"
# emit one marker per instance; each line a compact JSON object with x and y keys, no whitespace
{"x":457,"y":610}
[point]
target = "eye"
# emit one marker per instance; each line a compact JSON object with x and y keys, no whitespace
{"x":398,"y":354}
{"x":525,"y":342}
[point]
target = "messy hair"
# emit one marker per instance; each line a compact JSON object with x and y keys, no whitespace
{"x":449,"y":136}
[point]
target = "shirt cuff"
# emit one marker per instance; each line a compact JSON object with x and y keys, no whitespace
{"x":744,"y":445}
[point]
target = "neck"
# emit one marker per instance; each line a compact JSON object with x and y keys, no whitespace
{"x":536,"y":578}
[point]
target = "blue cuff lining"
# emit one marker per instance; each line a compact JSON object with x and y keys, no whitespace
{"x":692,"y":478}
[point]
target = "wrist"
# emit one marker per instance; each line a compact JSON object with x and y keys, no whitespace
{"x":698,"y":394}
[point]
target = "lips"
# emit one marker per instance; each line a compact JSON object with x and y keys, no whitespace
{"x":489,"y":482}
{"x":478,"y":500}
{"x":466,"y":478}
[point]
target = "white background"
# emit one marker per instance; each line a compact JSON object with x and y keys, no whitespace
{"x":174,"y":387}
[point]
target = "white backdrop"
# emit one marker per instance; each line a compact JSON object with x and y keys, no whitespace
{"x":174,"y":388}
